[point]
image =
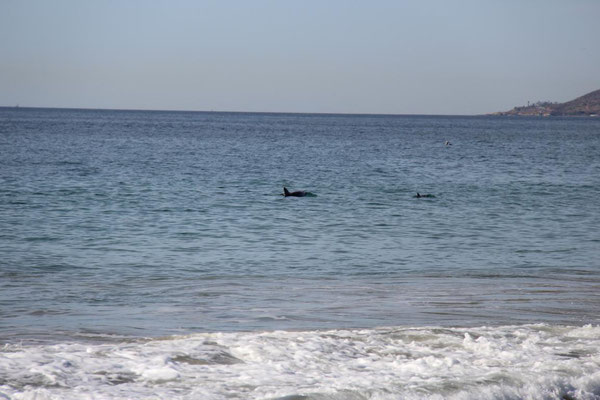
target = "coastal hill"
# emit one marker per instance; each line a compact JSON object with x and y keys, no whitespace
{"x":587,"y":105}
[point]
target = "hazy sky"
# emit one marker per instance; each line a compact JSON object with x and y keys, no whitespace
{"x":400,"y":57}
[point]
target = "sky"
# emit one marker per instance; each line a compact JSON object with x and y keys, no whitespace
{"x":323,"y":56}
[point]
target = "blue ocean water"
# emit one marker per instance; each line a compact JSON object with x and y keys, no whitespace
{"x":119,"y":226}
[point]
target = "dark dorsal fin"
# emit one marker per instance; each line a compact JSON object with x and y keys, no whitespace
{"x":285,"y":191}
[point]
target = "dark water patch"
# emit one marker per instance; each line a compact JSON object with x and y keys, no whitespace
{"x":67,"y":162}
{"x":17,"y":202}
{"x":117,"y":378}
{"x":39,"y":313}
{"x":548,"y":251}
{"x":42,"y":239}
{"x":33,"y":380}
{"x":219,"y":358}
{"x":54,"y":267}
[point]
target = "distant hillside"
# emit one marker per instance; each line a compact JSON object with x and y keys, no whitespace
{"x":587,"y":105}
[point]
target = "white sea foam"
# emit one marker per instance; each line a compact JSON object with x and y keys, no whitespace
{"x":511,"y":362}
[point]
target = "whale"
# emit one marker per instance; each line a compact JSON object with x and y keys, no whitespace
{"x":419,"y":195}
{"x":298,"y":193}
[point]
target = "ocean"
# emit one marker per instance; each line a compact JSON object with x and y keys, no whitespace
{"x":151,"y":255}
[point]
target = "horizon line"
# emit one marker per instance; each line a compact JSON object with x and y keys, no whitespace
{"x":236,"y":112}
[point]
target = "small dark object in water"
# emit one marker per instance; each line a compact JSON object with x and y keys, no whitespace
{"x":287,"y":193}
{"x":429,"y":196}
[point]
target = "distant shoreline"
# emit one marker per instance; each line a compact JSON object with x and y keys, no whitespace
{"x":585,"y":106}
